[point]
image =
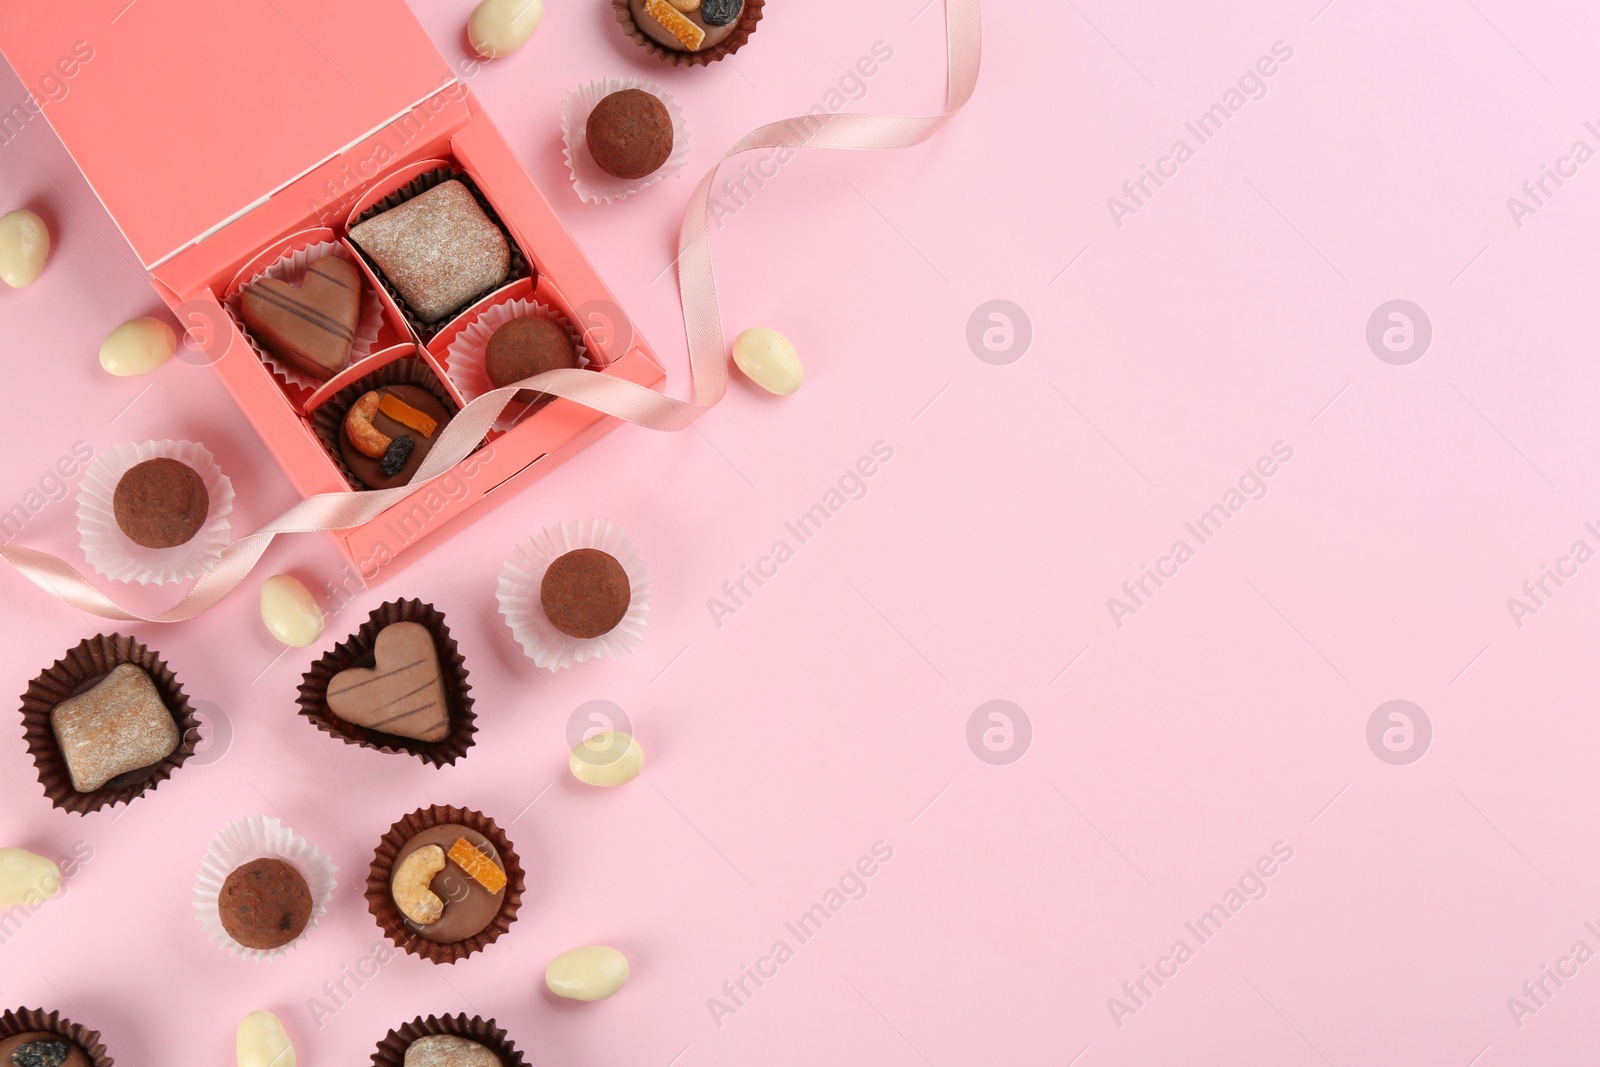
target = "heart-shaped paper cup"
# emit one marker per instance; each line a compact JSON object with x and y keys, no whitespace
{"x":358,"y":650}
{"x":392,"y":1049}
{"x":380,"y":899}
{"x":20,"y":1021}
{"x":78,"y":670}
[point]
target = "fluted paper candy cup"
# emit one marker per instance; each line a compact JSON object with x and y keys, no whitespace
{"x":260,"y":838}
{"x":593,"y":184}
{"x":392,"y":1049}
{"x":114,"y":554}
{"x":468,"y":355}
{"x":522,"y":574}
{"x":19,"y":1021}
{"x":84,"y":665}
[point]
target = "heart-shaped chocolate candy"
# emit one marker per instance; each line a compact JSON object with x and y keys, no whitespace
{"x":310,"y":327}
{"x":402,"y":694}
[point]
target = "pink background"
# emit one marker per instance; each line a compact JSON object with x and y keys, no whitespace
{"x":830,"y":712}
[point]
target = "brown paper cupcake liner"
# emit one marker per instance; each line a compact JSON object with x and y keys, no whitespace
{"x":30,"y":1020}
{"x":88,"y":662}
{"x":357,"y":651}
{"x":518,"y":267}
{"x":380,"y":901}
{"x":729,"y":45}
{"x":392,"y":1049}
{"x":327,"y":420}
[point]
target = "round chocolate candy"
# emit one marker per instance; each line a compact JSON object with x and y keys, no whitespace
{"x":469,"y":905}
{"x":389,"y":468}
{"x":525,"y":346}
{"x":585,"y":593}
{"x":264,"y":904}
{"x":160,"y":503}
{"x":629,"y":134}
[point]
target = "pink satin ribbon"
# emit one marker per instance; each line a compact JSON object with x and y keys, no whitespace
{"x":708,"y":363}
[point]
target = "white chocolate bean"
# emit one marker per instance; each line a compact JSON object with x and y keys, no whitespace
{"x":499,"y":27}
{"x":768,"y":359}
{"x":608,"y":758}
{"x":593,"y":972}
{"x":290,"y":611}
{"x":26,"y":878}
{"x":263,"y":1042}
{"x":686,"y":6}
{"x":138,"y":346}
{"x":24,"y":246}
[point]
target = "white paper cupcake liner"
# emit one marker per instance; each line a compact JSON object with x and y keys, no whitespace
{"x":593,"y":184}
{"x":110,"y":551}
{"x":292,"y":268}
{"x":467,"y":356}
{"x":255,"y":838}
{"x":518,"y":594}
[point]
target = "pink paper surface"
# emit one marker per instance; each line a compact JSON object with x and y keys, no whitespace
{"x":1210,"y":724}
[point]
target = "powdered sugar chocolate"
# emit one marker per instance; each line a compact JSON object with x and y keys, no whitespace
{"x":438,"y":249}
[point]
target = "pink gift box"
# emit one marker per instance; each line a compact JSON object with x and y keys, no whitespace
{"x":220,"y":136}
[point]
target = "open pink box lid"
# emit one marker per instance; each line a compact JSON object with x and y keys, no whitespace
{"x":192,"y":112}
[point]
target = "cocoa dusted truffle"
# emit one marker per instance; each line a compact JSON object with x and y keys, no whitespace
{"x":585,"y":593}
{"x":629,"y":134}
{"x":525,"y":346}
{"x":265,"y":904}
{"x":161,"y":503}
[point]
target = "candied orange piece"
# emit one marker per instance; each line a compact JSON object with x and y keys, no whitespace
{"x":406,"y":415}
{"x":687,"y":33}
{"x":480,"y":867}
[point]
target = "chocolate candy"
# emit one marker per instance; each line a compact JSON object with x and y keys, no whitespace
{"x":160,"y":503}
{"x":447,"y":1050}
{"x":118,"y":726}
{"x":310,"y":327}
{"x":609,"y":758}
{"x":290,"y":612}
{"x":629,"y":134}
{"x":721,"y":12}
{"x":263,"y":1042}
{"x":370,"y":470}
{"x":24,"y":247}
{"x":499,"y":27}
{"x":26,"y":878}
{"x":686,"y":31}
{"x":593,"y":972}
{"x":265,"y":904}
{"x":768,"y":359}
{"x":402,"y":693}
{"x":137,"y":347}
{"x":438,"y":249}
{"x":585,"y":593}
{"x":525,"y":346}
{"x":469,"y":908}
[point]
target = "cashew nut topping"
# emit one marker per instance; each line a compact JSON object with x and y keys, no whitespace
{"x":410,"y":883}
{"x":367,"y":438}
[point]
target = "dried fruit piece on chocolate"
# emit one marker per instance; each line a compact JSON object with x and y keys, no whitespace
{"x":394,"y":460}
{"x":688,"y":34}
{"x":478,"y":866}
{"x":406,"y":415}
{"x":40,"y":1054}
{"x":721,"y":12}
